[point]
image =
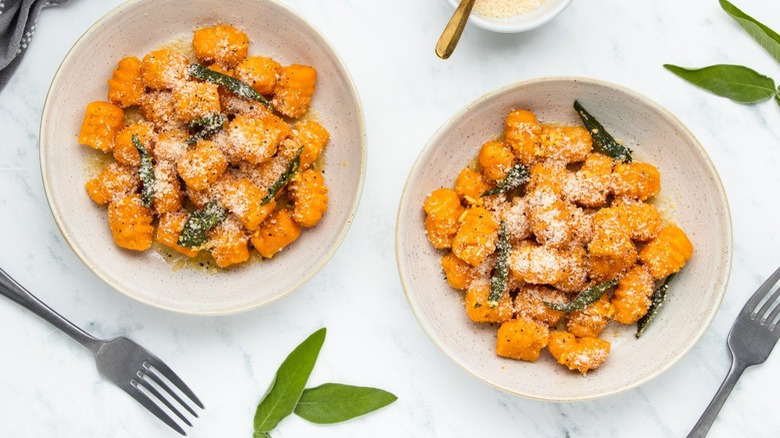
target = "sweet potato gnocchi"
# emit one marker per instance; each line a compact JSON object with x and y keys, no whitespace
{"x":551,"y":235}
{"x":210,"y":147}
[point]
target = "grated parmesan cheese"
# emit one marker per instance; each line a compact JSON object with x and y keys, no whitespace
{"x":505,"y":8}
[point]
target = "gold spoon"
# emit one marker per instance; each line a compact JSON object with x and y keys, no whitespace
{"x":451,"y":35}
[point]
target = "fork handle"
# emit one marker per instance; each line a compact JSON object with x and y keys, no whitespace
{"x":708,"y":417}
{"x":13,"y":290}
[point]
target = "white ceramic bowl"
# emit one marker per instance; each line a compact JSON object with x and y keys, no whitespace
{"x":136,"y":27}
{"x":519,"y":23}
{"x":691,"y":191}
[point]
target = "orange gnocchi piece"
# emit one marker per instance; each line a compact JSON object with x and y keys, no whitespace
{"x":309,"y":135}
{"x":636,"y":180}
{"x":477,"y":304}
{"x":294,"y":90}
{"x":459,"y":273}
{"x":471,"y":185}
{"x":256,"y":139}
{"x":131,"y":223}
{"x":167,"y":188}
{"x":667,"y":253}
{"x":276,"y":232}
{"x":443,"y":211}
{"x":309,"y":196}
{"x":476,"y":237}
{"x":126,"y":86}
{"x":229,"y":243}
{"x":496,"y":160}
{"x":202,"y":165}
{"x":522,"y":339}
{"x":102,"y":121}
{"x":115,"y":180}
{"x":164,"y":69}
{"x":632,"y":296}
{"x":124,"y":149}
{"x":193,"y":100}
{"x":592,"y":320}
{"x":244,"y":200}
{"x":529,"y":303}
{"x":568,"y":144}
{"x":223,"y":44}
{"x":260,"y":73}
{"x":583,"y":354}
{"x":522,"y":133}
{"x":169,"y":229}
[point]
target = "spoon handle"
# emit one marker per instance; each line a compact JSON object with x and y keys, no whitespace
{"x":451,"y":35}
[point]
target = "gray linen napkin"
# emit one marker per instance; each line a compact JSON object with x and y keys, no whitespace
{"x":17,"y":26}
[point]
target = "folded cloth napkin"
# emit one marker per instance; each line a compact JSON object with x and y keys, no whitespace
{"x":17,"y":26}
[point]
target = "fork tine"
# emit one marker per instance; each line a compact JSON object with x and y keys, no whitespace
{"x":173,"y":378}
{"x":772,"y":317}
{"x":163,"y":399}
{"x":767,"y":305}
{"x":146,"y":402}
{"x":152,"y":375}
{"x":762,"y":291}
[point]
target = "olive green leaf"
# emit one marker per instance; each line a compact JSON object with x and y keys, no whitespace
{"x":501,"y":276}
{"x":585,"y":298}
{"x":334,"y":402}
{"x":766,"y":37}
{"x":736,"y":82}
{"x":290,"y":380}
{"x":656,"y":301}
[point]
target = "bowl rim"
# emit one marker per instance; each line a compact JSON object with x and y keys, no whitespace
{"x":496,"y":25}
{"x":427,"y":150}
{"x":342,"y":231}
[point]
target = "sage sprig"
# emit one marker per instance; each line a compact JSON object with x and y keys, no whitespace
{"x":736,"y":82}
{"x":584,"y":299}
{"x":334,"y":402}
{"x":325,"y":404}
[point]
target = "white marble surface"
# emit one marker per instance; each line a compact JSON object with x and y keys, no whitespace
{"x":49,"y":386}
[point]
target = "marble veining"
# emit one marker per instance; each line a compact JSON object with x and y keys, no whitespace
{"x":50,"y":387}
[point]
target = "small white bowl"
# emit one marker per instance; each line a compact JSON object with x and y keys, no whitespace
{"x":135,"y":28}
{"x":691,"y":191}
{"x":519,"y":23}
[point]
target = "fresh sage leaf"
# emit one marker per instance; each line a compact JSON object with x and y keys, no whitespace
{"x":205,"y":127}
{"x":766,"y":37}
{"x":145,"y":172}
{"x":292,"y":168}
{"x":193,"y":235}
{"x":657,"y":299}
{"x":515,"y":178}
{"x":501,"y":275}
{"x":239,"y":88}
{"x":585,"y":298}
{"x":288,"y":385}
{"x":261,"y":435}
{"x":334,"y":402}
{"x":603,"y":141}
{"x":736,"y":82}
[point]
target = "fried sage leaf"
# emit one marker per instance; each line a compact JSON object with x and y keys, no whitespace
{"x":657,"y":300}
{"x":585,"y":298}
{"x":515,"y":178}
{"x":241,"y":89}
{"x":603,"y":142}
{"x":194,"y":233}
{"x":205,"y":127}
{"x":292,"y":168}
{"x":145,"y":172}
{"x":288,"y":384}
{"x":736,"y":82}
{"x":333,"y":402}
{"x":501,"y":274}
{"x":766,"y":37}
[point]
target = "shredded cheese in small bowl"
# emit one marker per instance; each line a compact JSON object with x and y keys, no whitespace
{"x":511,"y":16}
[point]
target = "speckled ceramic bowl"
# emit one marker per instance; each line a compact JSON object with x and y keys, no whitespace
{"x":518,"y":23}
{"x":691,"y":193}
{"x":136,"y":27}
